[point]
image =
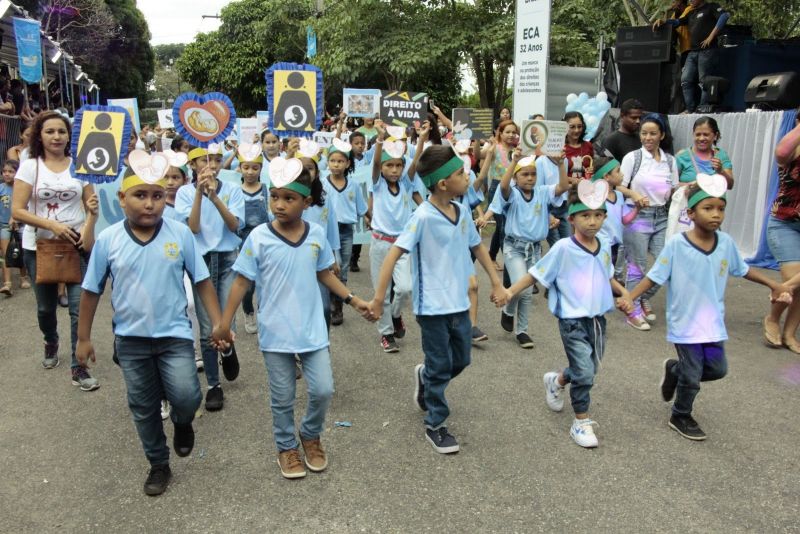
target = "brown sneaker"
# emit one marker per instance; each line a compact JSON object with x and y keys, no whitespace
{"x":291,"y":465}
{"x":315,"y":455}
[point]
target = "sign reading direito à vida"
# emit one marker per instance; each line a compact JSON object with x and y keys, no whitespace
{"x":531,"y":58}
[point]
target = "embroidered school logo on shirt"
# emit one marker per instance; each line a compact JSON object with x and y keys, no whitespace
{"x":324,"y":216}
{"x":463,"y":226}
{"x":606,"y":259}
{"x":315,"y":248}
{"x":723,"y":267}
{"x":226,"y":198}
{"x":171,"y":250}
{"x":664,"y":261}
{"x":248,"y":252}
{"x":537,"y":209}
{"x":351,"y":195}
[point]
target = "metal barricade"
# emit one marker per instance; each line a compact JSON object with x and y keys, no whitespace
{"x":10,"y":131}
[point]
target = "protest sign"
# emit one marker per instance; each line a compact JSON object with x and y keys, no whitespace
{"x":165,"y":118}
{"x":247,"y":130}
{"x":263,"y":120}
{"x":294,"y":98}
{"x":403,"y":108}
{"x":131,"y":105}
{"x":473,"y":123}
{"x":203,"y":119}
{"x":100,"y":137}
{"x":543,"y":137}
{"x":361,"y":102}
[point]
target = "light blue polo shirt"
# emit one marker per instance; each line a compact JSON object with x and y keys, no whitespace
{"x":611,"y":231}
{"x":325,"y":216}
{"x":214,"y":236}
{"x":578,"y":280}
{"x":348,"y":203}
{"x":440,"y":259}
{"x":147,"y":292}
{"x":527,"y":219}
{"x":696,"y":282}
{"x":290,"y":314}
{"x":391,"y":211}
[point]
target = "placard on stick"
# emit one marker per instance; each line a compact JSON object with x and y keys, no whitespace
{"x":543,"y":137}
{"x":473,"y":123}
{"x":361,"y":102}
{"x":403,"y":108}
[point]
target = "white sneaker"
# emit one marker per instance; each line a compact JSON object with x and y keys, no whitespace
{"x":553,"y":391}
{"x":250,"y":324}
{"x":647,"y":310}
{"x":165,"y":409}
{"x":582,"y":433}
{"x":638,"y":322}
{"x":198,"y":362}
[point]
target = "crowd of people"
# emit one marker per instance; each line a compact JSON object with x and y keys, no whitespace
{"x":586,"y":224}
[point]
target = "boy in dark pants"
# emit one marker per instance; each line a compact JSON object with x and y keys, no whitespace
{"x":439,"y":236}
{"x":696,"y":264}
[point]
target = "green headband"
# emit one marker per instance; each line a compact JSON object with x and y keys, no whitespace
{"x":385,"y":156}
{"x":333,"y":149}
{"x":578,"y":207}
{"x":300,"y":189}
{"x":701,"y":195}
{"x":443,"y":172}
{"x":605,"y":169}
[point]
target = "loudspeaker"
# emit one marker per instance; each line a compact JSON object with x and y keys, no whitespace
{"x":715,"y":88}
{"x":640,"y":44}
{"x":774,"y":91}
{"x":650,"y":83}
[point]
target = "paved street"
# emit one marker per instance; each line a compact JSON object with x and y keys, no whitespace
{"x":72,"y":461}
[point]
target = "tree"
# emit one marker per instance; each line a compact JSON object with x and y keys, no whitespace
{"x":167,"y":54}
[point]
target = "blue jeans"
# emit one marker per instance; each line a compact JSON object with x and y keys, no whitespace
{"x":700,"y":362}
{"x":345,"y":252}
{"x":645,"y":234}
{"x":47,"y":304}
{"x":318,"y":376}
{"x":446,"y":342}
{"x":699,"y":65}
{"x":247,"y":300}
{"x":156,"y":369}
{"x":401,"y":278}
{"x":563,"y":229}
{"x":499,"y":234}
{"x":222,"y":277}
{"x":519,"y":257}
{"x":584,"y":342}
{"x":325,"y":293}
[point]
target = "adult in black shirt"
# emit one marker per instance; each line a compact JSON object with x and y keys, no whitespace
{"x":704,"y":21}
{"x":626,"y":138}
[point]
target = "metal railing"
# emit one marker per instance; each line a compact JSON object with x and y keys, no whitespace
{"x":10,"y":130}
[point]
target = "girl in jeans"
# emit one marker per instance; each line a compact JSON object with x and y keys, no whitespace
{"x":494,"y":167}
{"x":649,"y":177}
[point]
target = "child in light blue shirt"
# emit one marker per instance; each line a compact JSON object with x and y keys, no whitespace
{"x":696,"y":265}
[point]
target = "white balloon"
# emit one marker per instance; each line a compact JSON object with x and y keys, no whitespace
{"x":572,"y":97}
{"x":601,"y":96}
{"x":592,"y":121}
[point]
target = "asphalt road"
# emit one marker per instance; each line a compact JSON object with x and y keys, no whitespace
{"x":71,"y":461}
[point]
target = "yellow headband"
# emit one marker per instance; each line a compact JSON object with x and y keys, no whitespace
{"x":197,"y":153}
{"x":133,"y":180}
{"x":529,"y":161}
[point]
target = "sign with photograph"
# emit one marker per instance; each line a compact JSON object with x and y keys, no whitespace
{"x":361,"y":102}
{"x":543,"y":137}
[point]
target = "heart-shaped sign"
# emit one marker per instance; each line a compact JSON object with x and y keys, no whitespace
{"x":176,"y":159}
{"x":715,"y":185}
{"x":462,"y":146}
{"x":398,"y":132}
{"x":467,"y":164}
{"x":215,"y":149}
{"x":149,"y":167}
{"x":282,"y":171}
{"x":249,"y":151}
{"x":308,"y":148}
{"x":342,"y":146}
{"x":203,"y":119}
{"x":593,"y":194}
{"x":395,"y":149}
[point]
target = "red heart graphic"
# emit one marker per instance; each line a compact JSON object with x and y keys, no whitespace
{"x":204,"y":120}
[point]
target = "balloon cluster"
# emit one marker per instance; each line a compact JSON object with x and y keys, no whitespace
{"x":592,"y":109}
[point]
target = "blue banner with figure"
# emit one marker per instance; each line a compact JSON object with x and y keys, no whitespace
{"x":29,"y":49}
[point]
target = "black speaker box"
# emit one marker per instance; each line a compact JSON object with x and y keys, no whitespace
{"x":640,"y":44}
{"x":774,"y":91}
{"x":650,"y":83}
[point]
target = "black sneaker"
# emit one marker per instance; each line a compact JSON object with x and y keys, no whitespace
{"x":215,"y":399}
{"x":686,"y":426}
{"x":443,"y":442}
{"x":419,"y":388}
{"x":389,"y":344}
{"x":354,"y":268}
{"x":478,"y":335}
{"x":524,"y":340}
{"x":399,"y":327}
{"x":230,"y":363}
{"x":507,"y":321}
{"x":157,"y":480}
{"x":337,"y":314}
{"x":183,"y":440}
{"x":669,"y":381}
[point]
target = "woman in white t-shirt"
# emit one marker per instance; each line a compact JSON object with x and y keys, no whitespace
{"x":52,"y":203}
{"x":649,"y":176}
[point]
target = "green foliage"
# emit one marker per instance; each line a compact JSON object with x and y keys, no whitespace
{"x":167,"y":54}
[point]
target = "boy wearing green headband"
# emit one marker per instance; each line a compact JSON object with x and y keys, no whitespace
{"x":579,"y":276}
{"x":146,"y":256}
{"x":438,"y":237}
{"x":697,"y":264}
{"x":619,"y":214}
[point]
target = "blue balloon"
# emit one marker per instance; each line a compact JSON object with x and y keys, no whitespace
{"x":570,"y":107}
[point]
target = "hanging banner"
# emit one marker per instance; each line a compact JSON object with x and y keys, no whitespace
{"x":294,"y":99}
{"x":403,"y":108}
{"x":361,"y":102}
{"x":247,"y":130}
{"x":131,"y":105}
{"x":203,"y":119}
{"x":531,"y":58}
{"x":473,"y":123}
{"x":311,"y":42}
{"x":100,"y":137}
{"x":165,"y":118}
{"x":29,"y":49}
{"x":543,"y":137}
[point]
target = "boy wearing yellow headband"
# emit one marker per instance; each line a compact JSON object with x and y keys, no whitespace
{"x":697,"y":264}
{"x":438,"y":237}
{"x":146,"y":256}
{"x":579,"y":276}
